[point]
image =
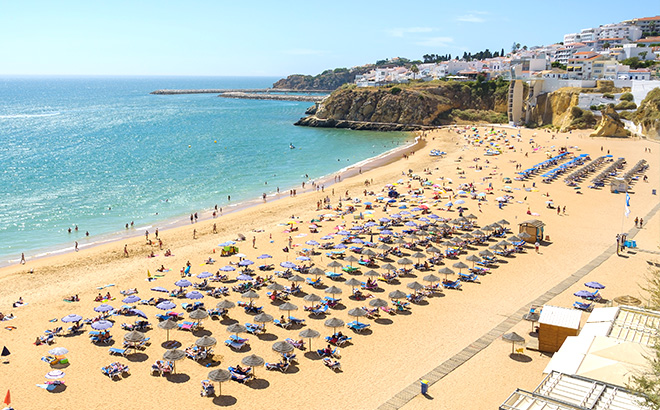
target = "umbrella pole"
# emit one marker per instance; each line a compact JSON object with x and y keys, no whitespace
{"x":220,"y":389}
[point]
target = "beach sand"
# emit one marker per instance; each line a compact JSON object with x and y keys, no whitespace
{"x":398,"y":350}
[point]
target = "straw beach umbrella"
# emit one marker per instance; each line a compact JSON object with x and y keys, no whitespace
{"x":416,"y":286}
{"x":397,"y":294}
{"x":357,"y":313}
{"x":219,"y":375}
{"x":253,"y":361}
{"x":250,"y":294}
{"x":309,"y":334}
{"x":236,"y":328}
{"x":168,"y":325}
{"x":225,"y":304}
{"x":288,"y":307}
{"x":205,"y":342}
{"x":334,"y":265}
{"x":282,"y":347}
{"x":353,"y":283}
{"x":378,"y":303}
{"x":263,"y":318}
{"x":311,"y":297}
{"x":174,"y":355}
{"x":514,"y":338}
{"x":446,"y":272}
{"x":334,"y":323}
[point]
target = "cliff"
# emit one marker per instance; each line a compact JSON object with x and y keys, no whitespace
{"x":327,"y":80}
{"x":648,"y":114}
{"x":409,"y":105}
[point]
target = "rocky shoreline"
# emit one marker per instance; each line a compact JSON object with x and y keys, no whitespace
{"x":313,"y":121}
{"x":247,"y":90}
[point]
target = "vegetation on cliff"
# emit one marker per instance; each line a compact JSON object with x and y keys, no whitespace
{"x":327,"y":80}
{"x":418,"y":103}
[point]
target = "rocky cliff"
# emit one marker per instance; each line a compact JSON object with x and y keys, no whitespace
{"x":327,"y":80}
{"x":610,"y":125}
{"x":648,"y":114}
{"x":555,"y":108}
{"x":410,"y":105}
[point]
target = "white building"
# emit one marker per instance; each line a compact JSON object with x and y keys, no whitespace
{"x":629,"y":31}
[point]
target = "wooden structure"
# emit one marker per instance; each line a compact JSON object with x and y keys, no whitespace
{"x":533,"y":228}
{"x":555,"y":325}
{"x":618,"y":185}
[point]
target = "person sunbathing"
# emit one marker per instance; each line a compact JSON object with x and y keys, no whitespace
{"x":152,"y":255}
{"x":19,"y":302}
{"x":168,"y":253}
{"x":161,"y":269}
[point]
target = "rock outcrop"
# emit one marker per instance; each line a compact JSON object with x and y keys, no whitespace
{"x":610,"y":125}
{"x":327,"y":80}
{"x":648,"y":114}
{"x":405,"y":106}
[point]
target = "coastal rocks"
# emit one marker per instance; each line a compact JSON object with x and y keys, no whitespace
{"x":400,"y":107}
{"x":313,"y":121}
{"x":610,"y":125}
{"x":311,"y":110}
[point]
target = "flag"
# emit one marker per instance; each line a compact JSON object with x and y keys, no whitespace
{"x":8,"y":398}
{"x":5,"y":351}
{"x":627,"y":205}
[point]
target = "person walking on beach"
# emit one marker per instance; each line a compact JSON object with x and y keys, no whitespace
{"x":125,"y":251}
{"x":146,"y":235}
{"x":156,"y":233}
{"x":254,"y":242}
{"x":215,"y":229}
{"x":636,"y":221}
{"x":194,"y":233}
{"x":22,"y":259}
{"x":76,"y":246}
{"x":641,"y":222}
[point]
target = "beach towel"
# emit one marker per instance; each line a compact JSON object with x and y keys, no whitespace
{"x":10,"y":327}
{"x":53,"y":320}
{"x":105,"y":286}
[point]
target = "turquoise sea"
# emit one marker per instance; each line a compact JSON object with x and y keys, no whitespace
{"x":100,"y":152}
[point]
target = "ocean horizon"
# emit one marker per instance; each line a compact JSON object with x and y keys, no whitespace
{"x":100,"y":152}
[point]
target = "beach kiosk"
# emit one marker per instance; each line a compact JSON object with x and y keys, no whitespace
{"x":618,"y":185}
{"x":533,"y":228}
{"x":555,"y":325}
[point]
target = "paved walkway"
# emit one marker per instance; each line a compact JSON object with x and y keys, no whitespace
{"x":404,"y":396}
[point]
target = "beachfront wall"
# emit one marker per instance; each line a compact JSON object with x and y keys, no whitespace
{"x":555,"y":325}
{"x":533,"y":228}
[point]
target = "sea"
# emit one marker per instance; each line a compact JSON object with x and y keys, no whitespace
{"x":98,"y":153}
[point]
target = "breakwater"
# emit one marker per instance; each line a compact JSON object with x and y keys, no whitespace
{"x":246,"y":90}
{"x":278,"y":97}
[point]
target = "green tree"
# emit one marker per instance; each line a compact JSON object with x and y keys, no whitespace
{"x":606,"y":46}
{"x":415,"y":70}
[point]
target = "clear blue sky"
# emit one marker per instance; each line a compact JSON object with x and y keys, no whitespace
{"x":147,"y":37}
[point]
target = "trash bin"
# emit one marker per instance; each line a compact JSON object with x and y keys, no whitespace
{"x":425,"y":386}
{"x":653,"y":192}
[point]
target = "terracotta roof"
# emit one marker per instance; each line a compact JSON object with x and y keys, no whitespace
{"x":640,"y":70}
{"x":611,"y":38}
{"x":649,"y":40}
{"x":584,"y":53}
{"x":648,"y":18}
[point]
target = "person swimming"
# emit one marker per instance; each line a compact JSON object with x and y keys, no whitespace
{"x":291,"y":146}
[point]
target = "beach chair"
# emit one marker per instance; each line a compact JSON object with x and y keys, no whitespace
{"x":234,"y":344}
{"x":298,"y":344}
{"x":51,"y":360}
{"x":330,"y":301}
{"x":471,"y":277}
{"x":118,"y":351}
{"x":296,"y":321}
{"x":186,"y":326}
{"x":357,"y":326}
{"x":332,"y":353}
{"x":320,"y":311}
{"x":388,"y":309}
{"x":314,"y":283}
{"x":452,"y":285}
{"x":332,"y":364}
{"x":583,"y":306}
{"x":282,"y":324}
{"x":371,"y":286}
{"x":338,"y":340}
{"x":333,"y":275}
{"x":281,"y":366}
{"x":208,"y":390}
{"x":254,"y":329}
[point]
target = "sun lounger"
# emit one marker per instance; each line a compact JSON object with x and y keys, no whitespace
{"x":299,"y":344}
{"x":254,"y":329}
{"x":115,"y":350}
{"x":234,"y":344}
{"x":452,"y":285}
{"x":282,"y":324}
{"x":471,"y":277}
{"x":333,"y":275}
{"x":357,"y":326}
{"x":320,"y":311}
{"x":296,"y":321}
{"x":332,"y":364}
{"x":191,"y":326}
{"x":281,"y":366}
{"x":315,"y":283}
{"x":338,"y":340}
{"x":583,"y":306}
{"x":332,"y":353}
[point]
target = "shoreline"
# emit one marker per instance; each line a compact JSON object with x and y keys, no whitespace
{"x":416,"y":143}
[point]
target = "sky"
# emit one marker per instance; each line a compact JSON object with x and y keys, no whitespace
{"x":274,"y":38}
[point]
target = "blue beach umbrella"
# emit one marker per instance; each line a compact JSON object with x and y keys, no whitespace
{"x":288,"y":265}
{"x":326,"y":238}
{"x":71,"y":318}
{"x":312,"y":243}
{"x":434,"y":216}
{"x":383,"y":219}
{"x":245,"y":262}
{"x":184,"y":283}
{"x":204,"y":275}
{"x":343,"y":233}
{"x":160,"y":289}
{"x":264,"y":256}
{"x":410,"y":223}
{"x":139,"y":313}
{"x":583,"y":293}
{"x":370,"y":224}
{"x":594,"y":285}
{"x":166,"y":305}
{"x":386,"y":232}
{"x":194,"y":295}
{"x":131,"y":299}
{"x":340,"y":246}
{"x":101,"y":325}
{"x":227,"y":268}
{"x":243,"y":276}
{"x":303,"y":258}
{"x":103,"y":308}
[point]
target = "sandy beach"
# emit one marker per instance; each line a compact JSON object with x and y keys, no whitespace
{"x":397,"y":350}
